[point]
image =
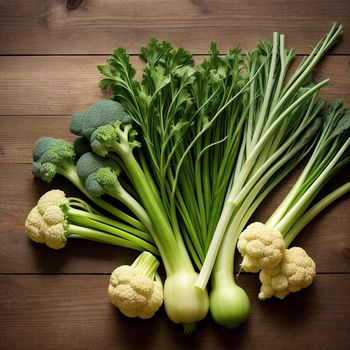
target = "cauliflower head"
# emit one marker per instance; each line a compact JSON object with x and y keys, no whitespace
{"x":133,"y":293}
{"x":261,"y":247}
{"x":296,"y":271}
{"x":51,"y":198}
{"x":46,"y":222}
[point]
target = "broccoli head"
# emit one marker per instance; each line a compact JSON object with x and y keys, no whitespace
{"x":92,"y":170}
{"x":51,"y":156}
{"x":105,"y":125}
{"x":105,"y":112}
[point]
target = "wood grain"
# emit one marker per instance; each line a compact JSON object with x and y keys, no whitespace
{"x":65,"y":85}
{"x":326,"y":239}
{"x":17,"y":147}
{"x":74,"y":312}
{"x":48,"y":27}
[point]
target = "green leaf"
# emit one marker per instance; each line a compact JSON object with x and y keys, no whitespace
{"x":105,"y":70}
{"x":104,"y":83}
{"x":159,"y":78}
{"x":342,"y":125}
{"x":185,"y":70}
{"x":217,"y":76}
{"x":121,"y":62}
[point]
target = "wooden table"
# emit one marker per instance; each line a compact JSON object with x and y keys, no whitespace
{"x":57,"y":299}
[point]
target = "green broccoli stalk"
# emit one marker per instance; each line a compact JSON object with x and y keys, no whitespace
{"x":54,"y":219}
{"x":100,"y":176}
{"x":53,"y":156}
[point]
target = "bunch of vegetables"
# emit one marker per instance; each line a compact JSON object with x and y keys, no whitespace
{"x":189,"y":153}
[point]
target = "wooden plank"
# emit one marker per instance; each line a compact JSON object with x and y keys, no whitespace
{"x":53,"y":312}
{"x":16,"y":142}
{"x":65,"y":85}
{"x":326,"y":239}
{"x":47,"y":27}
{"x":49,"y":85}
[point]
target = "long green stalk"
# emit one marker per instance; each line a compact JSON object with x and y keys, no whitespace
{"x":316,"y":209}
{"x":83,"y":219}
{"x":75,"y":231}
{"x":69,"y":172}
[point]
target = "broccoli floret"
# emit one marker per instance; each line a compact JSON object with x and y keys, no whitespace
{"x":76,"y":123}
{"x":119,"y":138}
{"x":102,"y":139}
{"x":87,"y":167}
{"x":108,"y":179}
{"x":41,"y":146}
{"x":51,"y":156}
{"x":105,"y":112}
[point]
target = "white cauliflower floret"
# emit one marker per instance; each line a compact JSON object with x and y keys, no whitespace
{"x":53,"y":215}
{"x":46,"y":222}
{"x":261,"y":247}
{"x":50,"y":198}
{"x":55,"y":236}
{"x":35,"y":226}
{"x":296,"y":271}
{"x":134,"y":293}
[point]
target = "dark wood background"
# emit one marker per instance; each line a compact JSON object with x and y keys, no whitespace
{"x":48,"y":56}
